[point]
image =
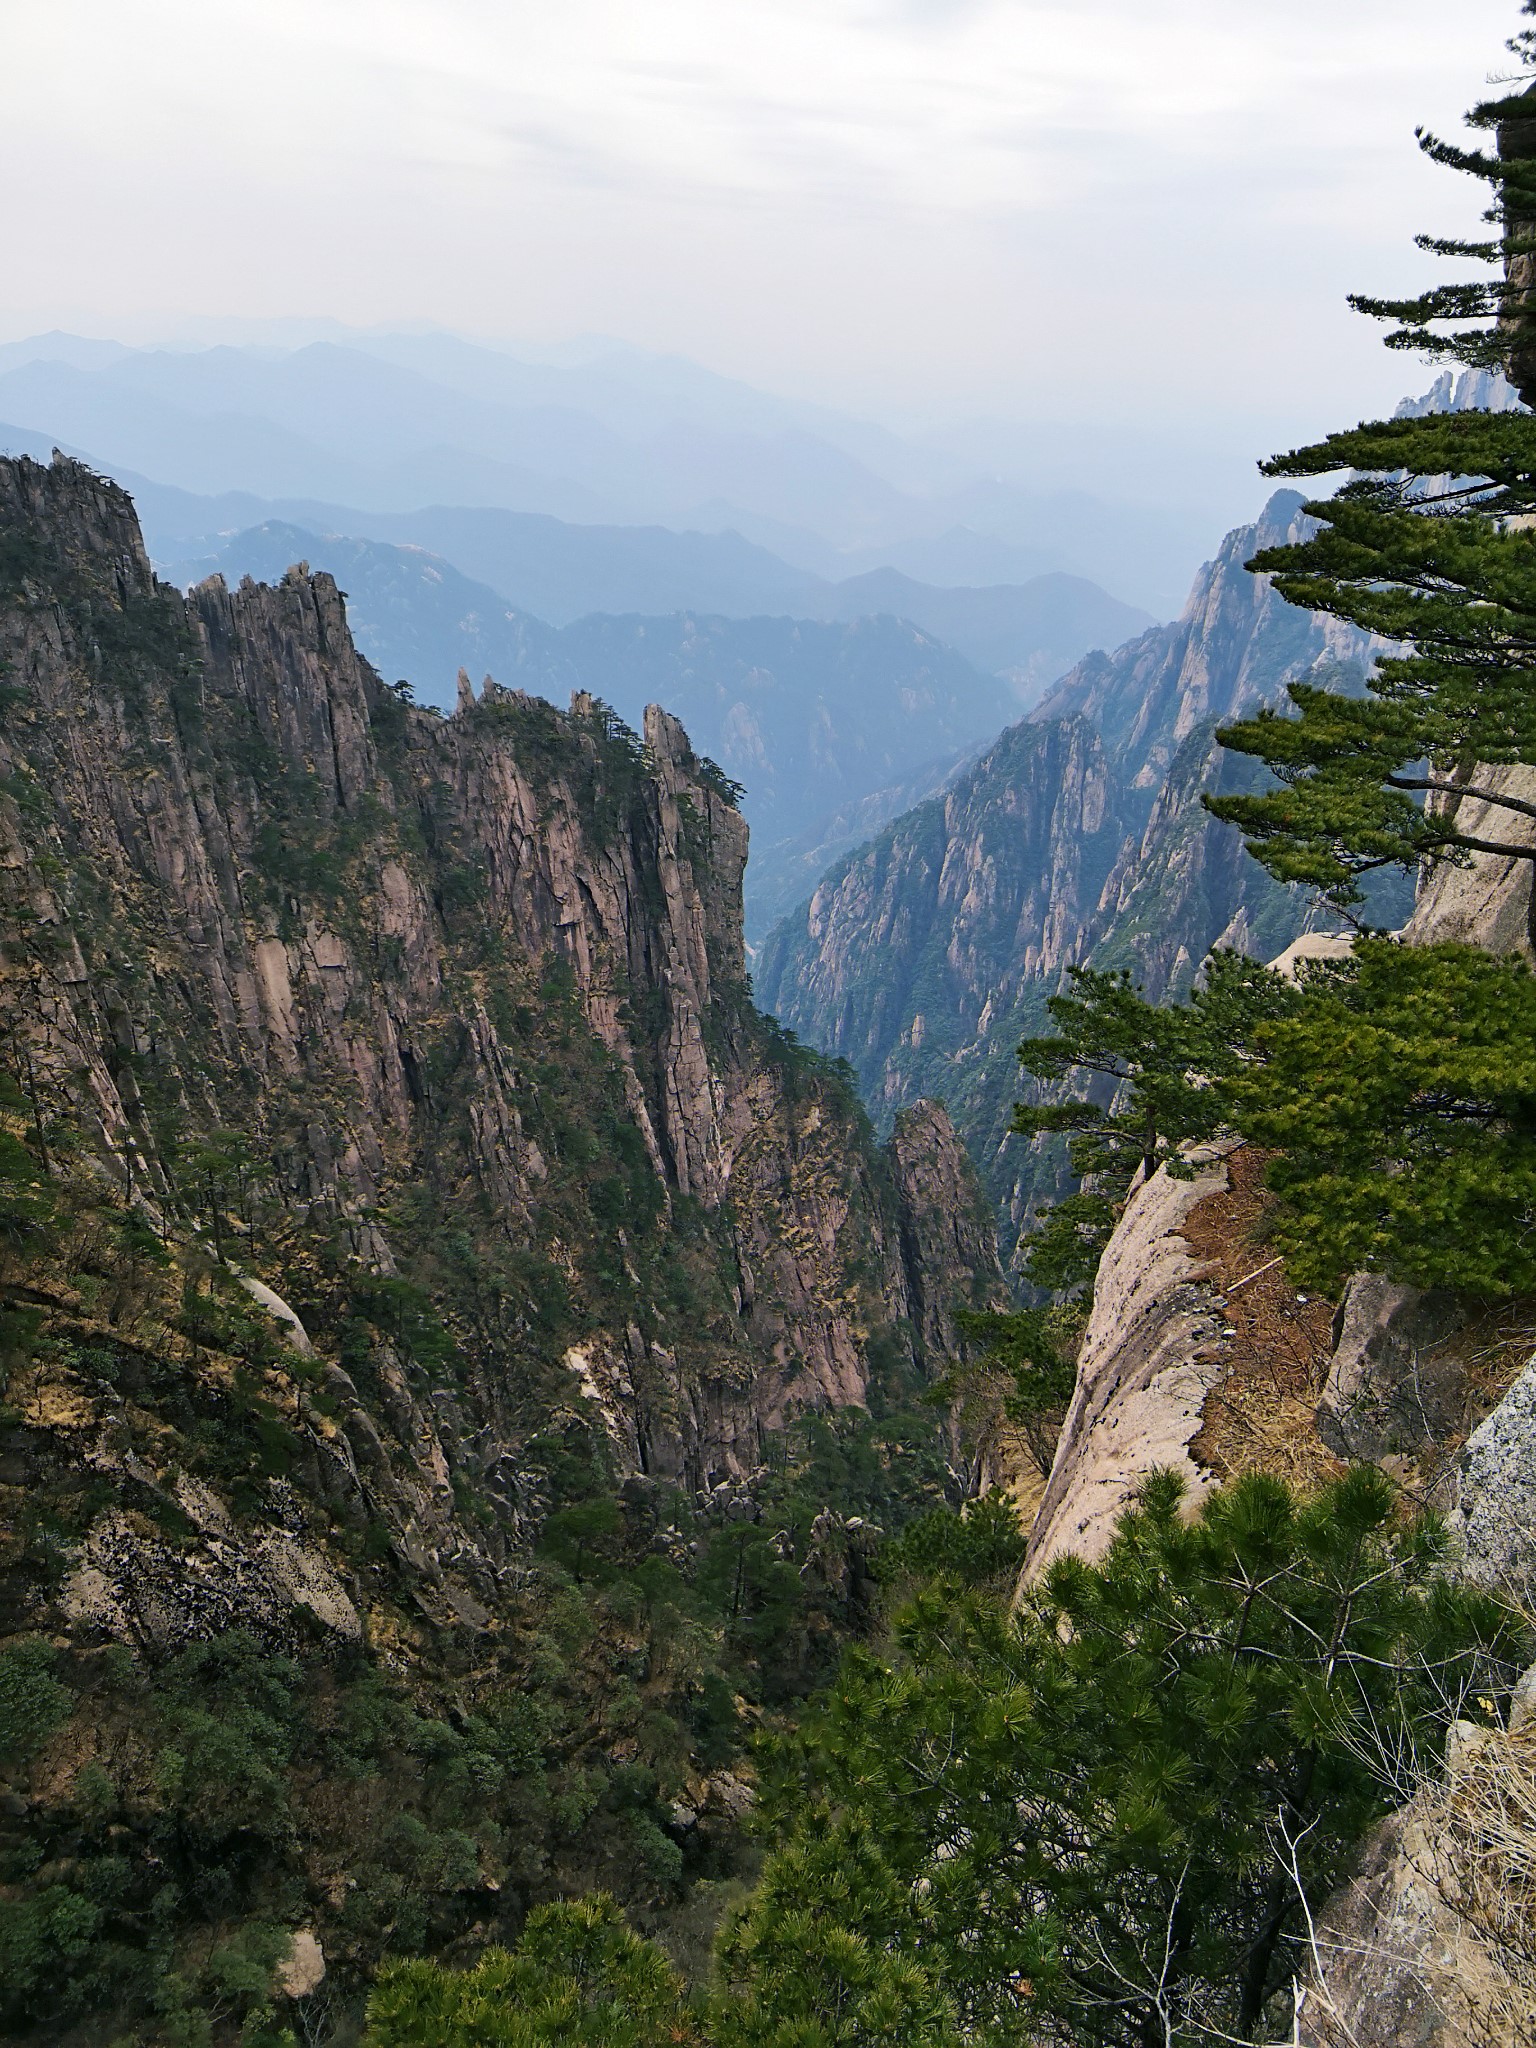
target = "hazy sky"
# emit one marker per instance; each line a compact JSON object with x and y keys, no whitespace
{"x":946,"y":205}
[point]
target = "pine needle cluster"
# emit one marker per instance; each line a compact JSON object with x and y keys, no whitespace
{"x":1427,"y":546}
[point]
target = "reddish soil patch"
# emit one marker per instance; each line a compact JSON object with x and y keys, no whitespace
{"x":1260,"y":1415}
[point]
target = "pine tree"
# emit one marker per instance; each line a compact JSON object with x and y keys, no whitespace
{"x":1147,"y":1081}
{"x":1426,"y":547}
{"x":1399,"y":1097}
{"x":1396,"y":1090}
{"x":1093,"y":1818}
{"x":579,"y":1977}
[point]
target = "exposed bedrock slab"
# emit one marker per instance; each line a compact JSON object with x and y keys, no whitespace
{"x":1495,"y":1515}
{"x":1488,"y":901}
{"x":1151,"y":1354}
{"x":1396,"y":1383}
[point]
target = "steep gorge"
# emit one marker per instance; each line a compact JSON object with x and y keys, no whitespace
{"x":394,"y":1164}
{"x":923,"y":957}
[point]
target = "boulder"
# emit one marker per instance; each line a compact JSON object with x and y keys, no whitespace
{"x":1395,"y":1383}
{"x":302,"y":1970}
{"x":1495,"y":1513}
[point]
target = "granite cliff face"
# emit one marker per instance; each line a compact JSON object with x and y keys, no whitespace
{"x":391,"y":1157}
{"x":1235,"y":646}
{"x":323,"y":916}
{"x":811,"y":714}
{"x":926,"y":955}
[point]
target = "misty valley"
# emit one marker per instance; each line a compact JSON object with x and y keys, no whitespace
{"x":767,"y":1178}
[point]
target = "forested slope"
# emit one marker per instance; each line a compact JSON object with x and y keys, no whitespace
{"x":422,"y":1269}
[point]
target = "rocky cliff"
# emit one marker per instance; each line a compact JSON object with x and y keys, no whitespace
{"x":350,"y":930}
{"x":391,"y":1156}
{"x":810,"y":714}
{"x":1399,"y":1377}
{"x":1200,"y":1356}
{"x":1235,"y":645}
{"x":926,"y":955}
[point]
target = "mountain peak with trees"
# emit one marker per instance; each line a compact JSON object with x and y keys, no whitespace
{"x":522,"y":1523}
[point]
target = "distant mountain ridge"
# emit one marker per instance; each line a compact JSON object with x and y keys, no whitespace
{"x":388,"y":423}
{"x":1031,"y":632}
{"x":925,"y":955}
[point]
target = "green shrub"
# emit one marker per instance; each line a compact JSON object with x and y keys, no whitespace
{"x":578,"y":1978}
{"x":1099,"y":1793}
{"x":32,"y":1701}
{"x":983,"y":1544}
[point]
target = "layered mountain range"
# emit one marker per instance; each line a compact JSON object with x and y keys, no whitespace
{"x":605,"y":436}
{"x":924,"y":956}
{"x":399,"y":1180}
{"x":1029,"y":632}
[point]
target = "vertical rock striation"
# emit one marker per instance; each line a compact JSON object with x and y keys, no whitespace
{"x":463,"y":1000}
{"x":926,"y":955}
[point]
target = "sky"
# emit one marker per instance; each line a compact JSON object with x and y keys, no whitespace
{"x":920,"y":209}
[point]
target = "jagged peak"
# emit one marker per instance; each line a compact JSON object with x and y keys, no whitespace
{"x":86,"y":517}
{"x":665,"y":736}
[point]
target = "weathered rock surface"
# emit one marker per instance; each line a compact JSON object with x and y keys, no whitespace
{"x":1149,"y":1357}
{"x":1495,"y":1513}
{"x":947,"y":1229}
{"x":302,"y":1970}
{"x":138,"y":1586}
{"x":478,"y":979}
{"x":1199,"y":1356}
{"x":1396,"y":1384}
{"x":1433,"y":1942}
{"x":1486,"y":902}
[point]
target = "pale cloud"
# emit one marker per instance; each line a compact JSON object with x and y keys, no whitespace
{"x":930,"y":202}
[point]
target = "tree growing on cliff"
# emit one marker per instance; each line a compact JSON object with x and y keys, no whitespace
{"x":1145,"y":1079}
{"x":1426,"y":548}
{"x":1396,"y":1089}
{"x":579,"y":1977}
{"x":1400,"y":1099}
{"x":1078,"y":1818}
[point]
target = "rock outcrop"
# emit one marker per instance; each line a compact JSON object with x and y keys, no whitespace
{"x":431,"y":1030}
{"x":1396,"y":1384}
{"x":1150,"y":1355}
{"x":1495,"y":1511}
{"x":1432,"y":1944}
{"x":1487,"y":901}
{"x":1233,"y":647}
{"x":946,"y":1226}
{"x":1199,"y":1356}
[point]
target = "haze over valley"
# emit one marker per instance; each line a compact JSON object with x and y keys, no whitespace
{"x":768,"y":978}
{"x":486,"y":500}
